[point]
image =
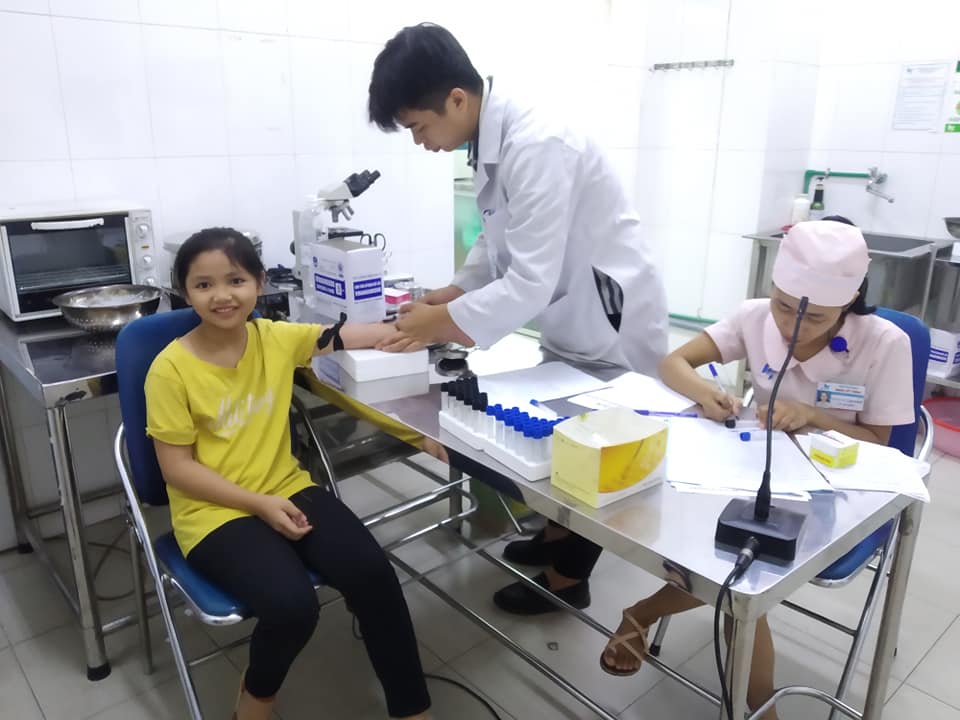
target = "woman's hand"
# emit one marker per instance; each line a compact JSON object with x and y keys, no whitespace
{"x":718,"y":405}
{"x":788,"y":415}
{"x":283,"y":516}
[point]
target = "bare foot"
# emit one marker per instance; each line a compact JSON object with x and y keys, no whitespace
{"x":625,"y":652}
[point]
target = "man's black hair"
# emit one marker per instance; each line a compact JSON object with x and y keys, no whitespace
{"x":416,"y":70}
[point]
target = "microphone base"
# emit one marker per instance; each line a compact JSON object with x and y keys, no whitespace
{"x":777,"y":535}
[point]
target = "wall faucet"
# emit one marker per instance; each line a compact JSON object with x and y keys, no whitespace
{"x":877,"y":178}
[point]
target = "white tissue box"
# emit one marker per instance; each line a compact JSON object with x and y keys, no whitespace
{"x":606,"y":455}
{"x":944,"y":353}
{"x":365,"y":365}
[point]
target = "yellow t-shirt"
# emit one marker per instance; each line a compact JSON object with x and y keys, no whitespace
{"x":237,"y":419}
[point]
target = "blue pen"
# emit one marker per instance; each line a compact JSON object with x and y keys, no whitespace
{"x":659,"y":413}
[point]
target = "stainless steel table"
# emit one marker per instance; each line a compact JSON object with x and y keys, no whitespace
{"x":57,"y":365}
{"x":670,"y":535}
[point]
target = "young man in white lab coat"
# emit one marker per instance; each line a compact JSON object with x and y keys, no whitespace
{"x":560,"y":245}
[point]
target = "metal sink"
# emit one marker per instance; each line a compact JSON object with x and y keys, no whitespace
{"x":902,"y":246}
{"x":900,"y":271}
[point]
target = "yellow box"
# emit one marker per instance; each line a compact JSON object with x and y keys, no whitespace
{"x":833,"y":449}
{"x":606,"y":455}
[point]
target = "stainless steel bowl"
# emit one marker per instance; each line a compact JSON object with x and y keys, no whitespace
{"x":953,"y":226}
{"x":108,"y":308}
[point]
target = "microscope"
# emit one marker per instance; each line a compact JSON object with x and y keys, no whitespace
{"x":309,"y":225}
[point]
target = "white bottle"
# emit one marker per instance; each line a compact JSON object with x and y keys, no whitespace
{"x":801,"y":209}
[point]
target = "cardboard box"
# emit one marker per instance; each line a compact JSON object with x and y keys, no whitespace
{"x":833,"y":449}
{"x":944,"y":353}
{"x":364,"y":365}
{"x":603,"y":456}
{"x":345,"y":276}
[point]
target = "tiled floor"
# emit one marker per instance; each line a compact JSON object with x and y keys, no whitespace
{"x":41,"y":662}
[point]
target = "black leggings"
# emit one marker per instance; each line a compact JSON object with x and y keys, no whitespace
{"x":576,"y":556}
{"x":268,"y":574}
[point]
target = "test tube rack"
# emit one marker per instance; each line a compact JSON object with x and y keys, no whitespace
{"x":467,"y":414}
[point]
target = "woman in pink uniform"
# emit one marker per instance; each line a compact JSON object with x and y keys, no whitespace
{"x":851,"y":372}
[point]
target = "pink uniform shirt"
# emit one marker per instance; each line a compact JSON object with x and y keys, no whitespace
{"x":877,"y":358}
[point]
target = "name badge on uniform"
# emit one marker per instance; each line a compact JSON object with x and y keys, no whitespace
{"x":837,"y":396}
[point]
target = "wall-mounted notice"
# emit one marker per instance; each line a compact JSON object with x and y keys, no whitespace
{"x":953,"y":103}
{"x":920,"y":96}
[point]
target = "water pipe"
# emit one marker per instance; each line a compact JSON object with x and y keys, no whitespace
{"x":811,"y":174}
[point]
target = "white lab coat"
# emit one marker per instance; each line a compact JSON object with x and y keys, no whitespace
{"x":553,"y":209}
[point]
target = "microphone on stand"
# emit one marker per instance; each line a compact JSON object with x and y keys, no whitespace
{"x":776,"y":529}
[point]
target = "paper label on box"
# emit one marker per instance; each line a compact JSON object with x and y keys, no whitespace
{"x":368,"y":288}
{"x":330,"y":286}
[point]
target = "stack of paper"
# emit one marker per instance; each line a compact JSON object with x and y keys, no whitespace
{"x":879,"y":468}
{"x":634,"y":391}
{"x":539,"y":384}
{"x":704,"y":456}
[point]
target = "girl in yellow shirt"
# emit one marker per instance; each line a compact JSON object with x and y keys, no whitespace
{"x":244,"y":513}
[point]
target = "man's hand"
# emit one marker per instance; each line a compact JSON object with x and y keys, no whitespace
{"x":788,"y":415}
{"x":283,"y":516}
{"x":430,"y":324}
{"x":442,"y":296}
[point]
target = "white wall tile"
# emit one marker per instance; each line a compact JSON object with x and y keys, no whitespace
{"x":625,"y":40}
{"x":129,"y":180}
{"x":704,"y":29}
{"x":185,"y":81}
{"x":674,"y":187}
{"x":35,"y":182}
{"x":320,"y":82}
{"x":255,"y":16}
{"x":664,"y":31}
{"x":194,"y":194}
{"x":189,"y":13}
{"x":617,"y":119}
{"x":121,"y":10}
{"x":684,"y":250}
{"x":32,"y":126}
{"x":927,"y":30}
{"x":828,"y":89}
{"x":750,"y":39}
{"x":737,"y":191}
{"x":725,"y":285}
{"x":782,"y":180}
{"x":911,"y":181}
{"x":793,"y":99}
{"x":264,"y":197}
{"x":875,"y":39}
{"x":29,"y":6}
{"x":259,"y":108}
{"x":864,"y":106}
{"x":745,"y":113}
{"x":946,"y":197}
{"x":317,"y":171}
{"x":317,"y":18}
{"x":104,"y":93}
{"x":365,"y":137}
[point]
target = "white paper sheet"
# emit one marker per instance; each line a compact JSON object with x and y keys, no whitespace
{"x":705,"y":453}
{"x":545,"y":382}
{"x":879,"y":468}
{"x":637,"y":392}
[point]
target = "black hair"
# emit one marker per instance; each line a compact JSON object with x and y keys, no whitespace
{"x":841,"y":219}
{"x":234,"y":244}
{"x":859,"y":306}
{"x":416,"y":70}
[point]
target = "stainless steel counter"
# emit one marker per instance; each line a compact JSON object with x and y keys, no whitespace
{"x":670,"y":534}
{"x":57,"y":364}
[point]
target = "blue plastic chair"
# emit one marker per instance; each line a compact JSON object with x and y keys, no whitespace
{"x":877,"y":545}
{"x":137,"y":345}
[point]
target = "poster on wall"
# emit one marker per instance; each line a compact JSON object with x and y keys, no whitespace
{"x":953,"y":114}
{"x":920,"y":96}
